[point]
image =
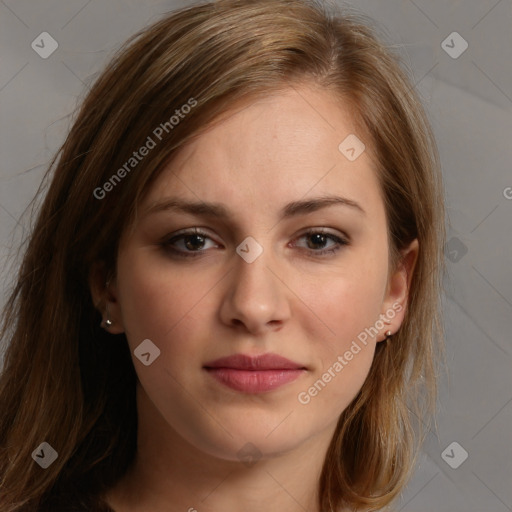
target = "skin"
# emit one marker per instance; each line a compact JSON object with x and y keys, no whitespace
{"x":289,"y":301}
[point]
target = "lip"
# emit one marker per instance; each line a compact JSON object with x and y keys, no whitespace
{"x":254,"y":374}
{"x":261,"y":362}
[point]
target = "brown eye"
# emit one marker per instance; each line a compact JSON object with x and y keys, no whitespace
{"x":187,"y":243}
{"x":317,"y":240}
{"x":193,"y":242}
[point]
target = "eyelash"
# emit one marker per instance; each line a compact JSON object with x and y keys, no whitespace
{"x":167,"y":243}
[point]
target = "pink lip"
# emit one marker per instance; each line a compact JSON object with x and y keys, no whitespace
{"x":255,"y":374}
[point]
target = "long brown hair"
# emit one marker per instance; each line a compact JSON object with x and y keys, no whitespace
{"x":67,"y":382}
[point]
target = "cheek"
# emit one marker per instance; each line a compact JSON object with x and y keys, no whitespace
{"x":157,"y":301}
{"x":347,"y":300}
{"x":346,"y":309}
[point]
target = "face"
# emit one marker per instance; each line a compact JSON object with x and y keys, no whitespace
{"x":272,"y":270}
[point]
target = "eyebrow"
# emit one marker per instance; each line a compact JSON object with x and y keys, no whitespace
{"x":220,"y":211}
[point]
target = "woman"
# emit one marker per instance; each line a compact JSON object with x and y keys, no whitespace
{"x":229,"y":300}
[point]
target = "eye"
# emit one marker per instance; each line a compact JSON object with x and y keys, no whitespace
{"x":193,"y":243}
{"x":190,"y":243}
{"x":320,"y":237}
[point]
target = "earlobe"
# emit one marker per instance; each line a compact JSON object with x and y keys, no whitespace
{"x":104,"y":298}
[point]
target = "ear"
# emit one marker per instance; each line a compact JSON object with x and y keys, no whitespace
{"x":397,"y":293}
{"x":104,"y":297}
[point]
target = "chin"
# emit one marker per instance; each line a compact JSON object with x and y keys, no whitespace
{"x":245,"y":442}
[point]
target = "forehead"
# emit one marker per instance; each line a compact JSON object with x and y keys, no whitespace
{"x":271,"y":151}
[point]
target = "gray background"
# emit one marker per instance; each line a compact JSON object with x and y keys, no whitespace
{"x":469,"y":100}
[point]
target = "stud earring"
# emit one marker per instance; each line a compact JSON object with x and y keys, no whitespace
{"x":388,"y":335}
{"x":107,"y":322}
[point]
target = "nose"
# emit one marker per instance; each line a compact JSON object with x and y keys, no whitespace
{"x":256,"y":299}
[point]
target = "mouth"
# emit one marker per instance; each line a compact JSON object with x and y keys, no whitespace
{"x":254,"y":374}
